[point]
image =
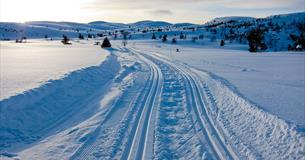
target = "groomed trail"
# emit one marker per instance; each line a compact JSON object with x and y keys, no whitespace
{"x":143,"y":105}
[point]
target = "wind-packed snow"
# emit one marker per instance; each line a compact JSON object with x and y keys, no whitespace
{"x":28,"y":65}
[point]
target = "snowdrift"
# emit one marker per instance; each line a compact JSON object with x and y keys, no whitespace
{"x":254,"y":133}
{"x":28,"y":116}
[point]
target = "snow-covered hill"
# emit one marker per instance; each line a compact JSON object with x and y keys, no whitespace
{"x":280,"y":31}
{"x":230,"y":20}
{"x":144,"y":24}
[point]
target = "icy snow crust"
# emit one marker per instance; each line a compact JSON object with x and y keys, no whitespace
{"x":142,"y":104}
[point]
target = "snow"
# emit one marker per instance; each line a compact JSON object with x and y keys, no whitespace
{"x":40,"y":111}
{"x":148,"y":100}
{"x":144,"y":24}
{"x":28,"y":65}
{"x":273,"y":81}
{"x":231,"y":18}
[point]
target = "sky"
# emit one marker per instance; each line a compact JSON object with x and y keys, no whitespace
{"x":127,"y":11}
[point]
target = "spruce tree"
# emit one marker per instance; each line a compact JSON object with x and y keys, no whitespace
{"x":222,"y":43}
{"x":164,"y":38}
{"x":174,"y":40}
{"x":65,"y":40}
{"x":153,"y":36}
{"x":106,"y":43}
{"x":256,"y":40}
{"x":80,"y":36}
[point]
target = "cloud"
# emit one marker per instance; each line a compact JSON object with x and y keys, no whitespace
{"x":190,"y":5}
{"x":188,"y":10}
{"x":137,"y":4}
{"x":268,"y":4}
{"x":161,"y":12}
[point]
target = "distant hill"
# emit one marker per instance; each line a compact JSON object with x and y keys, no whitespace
{"x":230,"y":19}
{"x":280,"y":31}
{"x":143,"y":24}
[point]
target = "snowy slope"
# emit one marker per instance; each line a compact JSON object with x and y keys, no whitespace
{"x":144,"y":24}
{"x":287,"y":18}
{"x":42,"y":109}
{"x":107,"y":26}
{"x":54,"y":61}
{"x":230,"y":19}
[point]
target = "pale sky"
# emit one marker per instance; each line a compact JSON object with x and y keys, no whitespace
{"x":126,"y":11}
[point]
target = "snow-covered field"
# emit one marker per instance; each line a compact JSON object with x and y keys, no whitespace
{"x":28,"y":65}
{"x":147,"y":101}
{"x":273,"y":80}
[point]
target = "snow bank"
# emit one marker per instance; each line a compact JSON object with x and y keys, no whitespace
{"x":28,"y":116}
{"x":255,"y":133}
{"x":101,"y":124}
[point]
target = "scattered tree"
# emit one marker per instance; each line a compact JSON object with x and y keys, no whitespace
{"x":153,"y":36}
{"x":80,"y":36}
{"x":298,"y":41}
{"x":106,"y":43}
{"x":164,"y":38}
{"x":194,"y":39}
{"x":65,"y":40}
{"x":222,"y":43}
{"x":100,"y":34}
{"x":182,"y":36}
{"x":174,"y":40}
{"x":256,"y":40}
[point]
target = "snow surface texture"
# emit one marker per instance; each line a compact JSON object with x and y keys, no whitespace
{"x":28,"y":65}
{"x":25,"y":117}
{"x":145,"y":102}
{"x":273,"y":81}
{"x":151,"y":101}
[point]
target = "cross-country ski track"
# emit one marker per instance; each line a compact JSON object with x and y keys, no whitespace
{"x":159,"y":108}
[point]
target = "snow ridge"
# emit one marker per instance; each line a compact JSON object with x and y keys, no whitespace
{"x":255,"y":133}
{"x":29,"y":115}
